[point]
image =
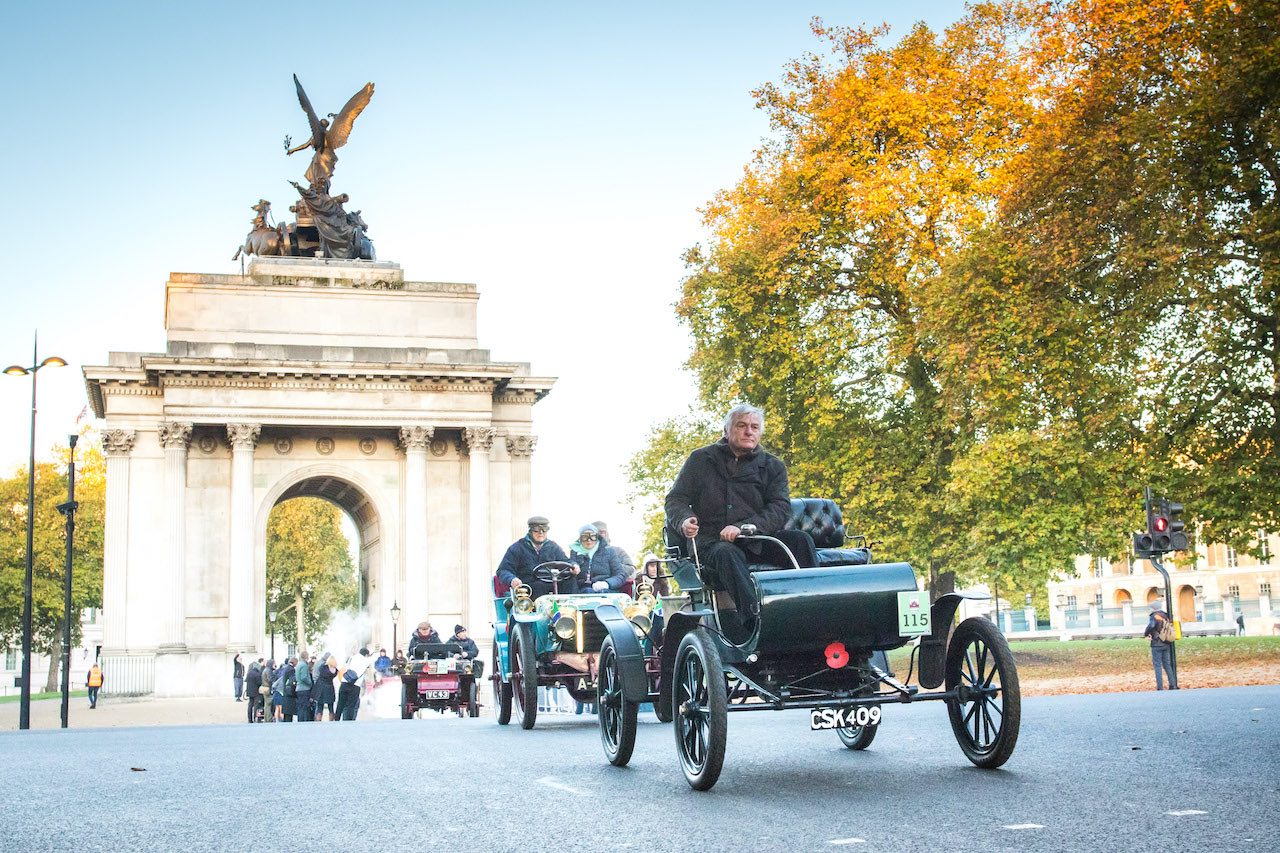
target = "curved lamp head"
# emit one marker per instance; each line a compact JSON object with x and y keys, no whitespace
{"x":53,"y":361}
{"x":16,"y":370}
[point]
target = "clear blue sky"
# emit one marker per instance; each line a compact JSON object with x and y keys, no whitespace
{"x":555,"y":154}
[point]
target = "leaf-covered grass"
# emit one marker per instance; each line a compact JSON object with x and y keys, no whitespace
{"x":1044,"y":659}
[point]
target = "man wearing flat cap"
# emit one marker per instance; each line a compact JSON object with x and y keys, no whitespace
{"x":529,"y":552}
{"x":421,"y":636}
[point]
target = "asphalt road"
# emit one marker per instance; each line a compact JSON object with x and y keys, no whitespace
{"x":1186,"y":770}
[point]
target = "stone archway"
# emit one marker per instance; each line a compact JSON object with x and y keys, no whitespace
{"x":1186,"y":604}
{"x":349,"y":491}
{"x":1123,"y":597}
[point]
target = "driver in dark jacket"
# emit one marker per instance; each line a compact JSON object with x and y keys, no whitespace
{"x":724,"y":486}
{"x":524,"y":555}
{"x":423,"y":635}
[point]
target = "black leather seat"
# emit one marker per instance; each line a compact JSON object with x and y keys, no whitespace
{"x":822,"y":520}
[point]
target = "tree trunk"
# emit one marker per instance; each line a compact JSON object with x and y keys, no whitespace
{"x":52,"y":683}
{"x":300,"y":614}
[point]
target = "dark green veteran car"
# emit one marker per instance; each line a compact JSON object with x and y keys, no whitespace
{"x":819,"y":644}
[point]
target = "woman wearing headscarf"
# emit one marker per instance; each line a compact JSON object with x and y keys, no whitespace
{"x":600,"y":569}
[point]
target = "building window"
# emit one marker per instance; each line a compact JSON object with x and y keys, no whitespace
{"x":1233,"y":591}
{"x":1264,"y":588}
{"x":1233,"y":559}
{"x":1071,"y":601}
{"x":1097,"y":599}
{"x":1264,"y":546}
{"x":1099,"y":566}
{"x":10,"y":658}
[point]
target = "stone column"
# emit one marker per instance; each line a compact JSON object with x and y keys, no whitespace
{"x":479,"y":571}
{"x":500,"y":533}
{"x":243,"y":621}
{"x":413,"y":596}
{"x":116,"y":445}
{"x":175,"y":438}
{"x":521,"y":448}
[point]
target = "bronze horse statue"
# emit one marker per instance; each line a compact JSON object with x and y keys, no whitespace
{"x":262,"y":239}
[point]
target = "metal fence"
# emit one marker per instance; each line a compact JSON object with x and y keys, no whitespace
{"x":1110,"y":617}
{"x":1250,"y":607}
{"x":1018,"y":621}
{"x":1076,"y":617}
{"x":1212,"y":611}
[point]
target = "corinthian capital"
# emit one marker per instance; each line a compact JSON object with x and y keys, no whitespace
{"x":244,"y":436}
{"x":416,"y":437}
{"x":118,"y":442}
{"x":521,"y":445}
{"x":478,"y":438}
{"x":175,"y":434}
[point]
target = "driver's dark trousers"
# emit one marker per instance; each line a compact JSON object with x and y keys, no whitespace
{"x":724,"y":565}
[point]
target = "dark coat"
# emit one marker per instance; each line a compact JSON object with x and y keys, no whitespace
{"x":604,"y":565}
{"x":521,"y":559}
{"x":253,"y":680}
{"x":469,"y":647}
{"x":1153,"y":628}
{"x":415,"y":640}
{"x":720,"y":489}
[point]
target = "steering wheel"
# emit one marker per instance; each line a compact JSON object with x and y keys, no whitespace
{"x":553,"y":571}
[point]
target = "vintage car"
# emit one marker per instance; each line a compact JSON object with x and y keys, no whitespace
{"x":818,"y":644}
{"x":555,"y":640}
{"x":438,"y":681}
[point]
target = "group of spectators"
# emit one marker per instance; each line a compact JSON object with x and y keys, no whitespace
{"x":303,"y":687}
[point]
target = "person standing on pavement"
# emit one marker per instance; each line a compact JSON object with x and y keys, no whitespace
{"x":289,"y":690}
{"x":252,"y":685}
{"x":237,"y":676}
{"x":94,"y":683}
{"x":352,"y":677}
{"x":1161,"y":631}
{"x":304,"y":679}
{"x":326,"y":671}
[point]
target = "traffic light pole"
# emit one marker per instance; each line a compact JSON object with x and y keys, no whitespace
{"x":1168,"y":599}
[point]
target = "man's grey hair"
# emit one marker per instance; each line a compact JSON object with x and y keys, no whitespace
{"x":743,"y":409}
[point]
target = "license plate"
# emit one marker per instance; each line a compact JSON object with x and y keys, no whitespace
{"x":843,"y":718}
{"x":436,"y":694}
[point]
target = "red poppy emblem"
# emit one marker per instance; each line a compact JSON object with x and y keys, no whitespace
{"x":837,"y":656}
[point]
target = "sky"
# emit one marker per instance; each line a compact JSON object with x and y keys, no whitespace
{"x":554,"y":154}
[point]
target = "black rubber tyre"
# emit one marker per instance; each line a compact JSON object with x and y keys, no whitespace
{"x":502,"y":690}
{"x":701,"y":709}
{"x":661,"y":710}
{"x":524,"y":675}
{"x":617,"y":715}
{"x":473,"y":700}
{"x":406,"y":707}
{"x":858,"y":737}
{"x":987,"y":714}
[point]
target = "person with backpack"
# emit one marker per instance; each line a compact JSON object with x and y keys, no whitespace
{"x":94,"y":683}
{"x":1162,"y":633}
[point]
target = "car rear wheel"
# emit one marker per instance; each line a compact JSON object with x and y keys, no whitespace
{"x":524,"y":674}
{"x":502,"y":690}
{"x":473,"y":700}
{"x":987,"y":711}
{"x":858,"y":737}
{"x":617,"y":715}
{"x":700,"y":706}
{"x":406,"y":704}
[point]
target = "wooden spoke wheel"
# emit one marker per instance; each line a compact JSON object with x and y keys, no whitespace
{"x":701,"y":709}
{"x":524,"y":675}
{"x":987,"y":712}
{"x":502,"y":689}
{"x":617,"y":715}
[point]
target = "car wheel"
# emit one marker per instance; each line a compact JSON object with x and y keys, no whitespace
{"x":700,"y":707}
{"x":858,"y":737}
{"x":987,"y":710}
{"x":501,"y":690}
{"x":406,"y":705}
{"x":617,"y":715}
{"x":524,"y":675}
{"x":473,"y":700}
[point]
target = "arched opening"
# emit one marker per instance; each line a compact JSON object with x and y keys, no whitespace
{"x":1123,"y":597}
{"x":363,"y":521}
{"x":1186,"y":604}
{"x":1153,"y":593}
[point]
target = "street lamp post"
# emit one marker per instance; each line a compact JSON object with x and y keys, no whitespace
{"x":24,"y":707}
{"x":395,"y":619}
{"x":68,"y":509}
{"x":272,"y":614}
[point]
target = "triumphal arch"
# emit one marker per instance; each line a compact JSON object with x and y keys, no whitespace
{"x":321,"y":376}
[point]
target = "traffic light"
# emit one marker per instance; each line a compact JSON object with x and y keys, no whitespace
{"x":1165,"y":528}
{"x":1158,"y":527}
{"x":1173,"y":514}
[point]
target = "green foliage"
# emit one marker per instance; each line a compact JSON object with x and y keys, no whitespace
{"x":652,"y":471}
{"x":49,"y":547}
{"x":308,"y":561}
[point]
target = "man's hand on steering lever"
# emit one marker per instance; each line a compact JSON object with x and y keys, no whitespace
{"x":690,"y":527}
{"x":730,"y":533}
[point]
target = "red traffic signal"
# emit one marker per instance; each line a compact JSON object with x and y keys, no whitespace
{"x":1161,"y":524}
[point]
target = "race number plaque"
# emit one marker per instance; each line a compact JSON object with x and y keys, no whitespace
{"x":913,"y":614}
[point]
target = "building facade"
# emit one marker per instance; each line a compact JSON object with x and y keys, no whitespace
{"x":305,"y":377}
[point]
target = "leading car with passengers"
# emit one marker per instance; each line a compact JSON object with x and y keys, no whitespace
{"x":818,"y":643}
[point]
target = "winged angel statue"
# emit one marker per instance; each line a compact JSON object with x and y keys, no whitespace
{"x":327,"y":138}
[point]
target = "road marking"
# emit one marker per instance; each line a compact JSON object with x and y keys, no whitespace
{"x":847,"y":841}
{"x":1023,"y":826}
{"x":1184,"y":812}
{"x":553,"y":782}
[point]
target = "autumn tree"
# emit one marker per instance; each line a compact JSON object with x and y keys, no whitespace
{"x":309,"y":562}
{"x":48,"y":552}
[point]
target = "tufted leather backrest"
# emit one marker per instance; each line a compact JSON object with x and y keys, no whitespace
{"x":820,"y":518}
